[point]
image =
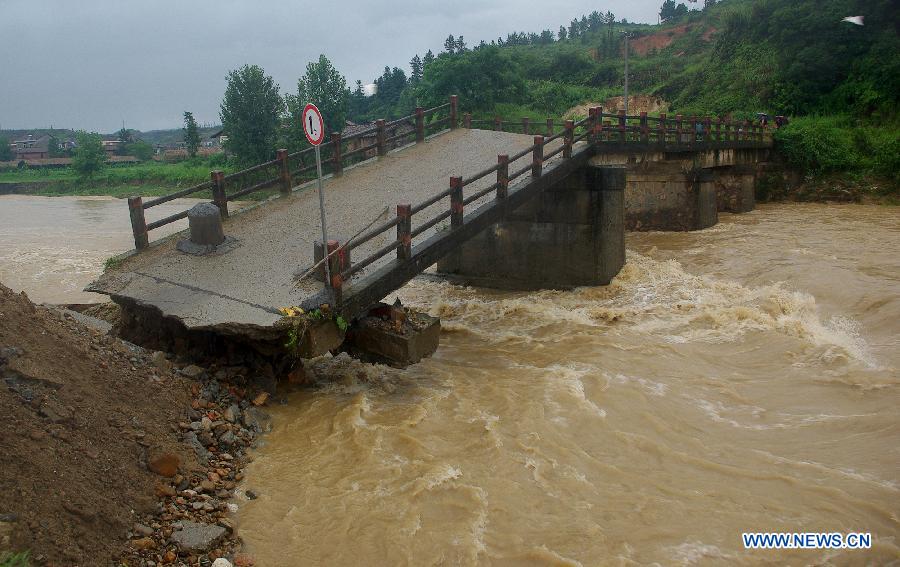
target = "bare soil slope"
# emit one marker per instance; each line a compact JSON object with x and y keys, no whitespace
{"x":78,"y":424}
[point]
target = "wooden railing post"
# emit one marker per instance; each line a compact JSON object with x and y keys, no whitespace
{"x":420,"y":124}
{"x":467,"y":120}
{"x":456,"y":202}
{"x":645,"y":128}
{"x":138,"y":223}
{"x":568,"y":138}
{"x":549,"y":127}
{"x":498,"y":124}
{"x":218,"y":191}
{"x":379,"y":137}
{"x":678,"y":134}
{"x":335,"y":265}
{"x":598,"y":123}
{"x":661,"y":137}
{"x":502,"y":176}
{"x":404,"y":232}
{"x":337,"y":166}
{"x":285,"y":171}
{"x":623,"y":126}
{"x":454,"y":100}
{"x":525,"y":123}
{"x":537,"y":156}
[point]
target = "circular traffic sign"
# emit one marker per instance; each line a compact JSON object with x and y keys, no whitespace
{"x":313,"y":125}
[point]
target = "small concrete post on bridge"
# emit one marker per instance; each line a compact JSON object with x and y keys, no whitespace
{"x":336,"y":166}
{"x":525,"y":124}
{"x":420,"y":124}
{"x":467,"y":120}
{"x":498,"y":124}
{"x":404,"y":231}
{"x":591,"y":124}
{"x":218,"y":192}
{"x":454,"y":101}
{"x":284,"y":171}
{"x":456,"y":202}
{"x":379,"y":137}
{"x":138,"y":223}
{"x":502,"y":176}
{"x":568,"y":138}
{"x":549,"y":127}
{"x":537,"y":156}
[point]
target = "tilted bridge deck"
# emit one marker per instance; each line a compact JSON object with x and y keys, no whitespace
{"x":456,"y":183}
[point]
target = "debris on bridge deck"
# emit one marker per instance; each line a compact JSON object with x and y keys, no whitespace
{"x":239,"y":290}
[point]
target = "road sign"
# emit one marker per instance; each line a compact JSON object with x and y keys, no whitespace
{"x":314,"y":128}
{"x":313,"y":125}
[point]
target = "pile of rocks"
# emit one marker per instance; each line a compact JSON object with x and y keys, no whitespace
{"x":191,"y":524}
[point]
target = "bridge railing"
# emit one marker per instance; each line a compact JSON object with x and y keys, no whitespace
{"x":429,"y":214}
{"x":290,"y":169}
{"x":620,"y":128}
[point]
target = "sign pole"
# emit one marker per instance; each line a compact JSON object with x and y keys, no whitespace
{"x":322,"y":213}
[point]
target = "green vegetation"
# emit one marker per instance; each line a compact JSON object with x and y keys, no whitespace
{"x":14,"y":559}
{"x":325,"y":87}
{"x":250,"y":114}
{"x":6,"y":153}
{"x":191,"y":135}
{"x":89,"y":157}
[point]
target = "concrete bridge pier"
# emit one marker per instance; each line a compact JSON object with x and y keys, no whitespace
{"x":736,"y":188}
{"x":572,"y":234}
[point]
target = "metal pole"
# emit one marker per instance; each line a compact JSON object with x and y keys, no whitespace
{"x":322,"y":212}
{"x":626,"y":75}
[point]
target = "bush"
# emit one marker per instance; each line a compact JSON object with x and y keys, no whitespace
{"x":818,"y":145}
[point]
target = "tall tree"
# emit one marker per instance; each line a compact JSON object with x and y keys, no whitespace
{"x":250,"y":112}
{"x":667,"y":10}
{"x":561,"y":34}
{"x":357,"y":102}
{"x":450,"y":44}
{"x":6,"y":153}
{"x":323,"y":86}
{"x":427,"y":60}
{"x":191,"y":135}
{"x":415,"y":65}
{"x":573,"y":29}
{"x":89,"y":157}
{"x":461,"y":45}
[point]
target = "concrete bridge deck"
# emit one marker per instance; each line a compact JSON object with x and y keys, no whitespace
{"x":243,"y":287}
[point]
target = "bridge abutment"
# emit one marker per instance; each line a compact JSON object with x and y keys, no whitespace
{"x":571,"y":235}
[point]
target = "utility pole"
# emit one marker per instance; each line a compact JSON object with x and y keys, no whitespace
{"x":626,"y":73}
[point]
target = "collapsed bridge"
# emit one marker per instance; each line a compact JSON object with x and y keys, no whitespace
{"x":519,"y":209}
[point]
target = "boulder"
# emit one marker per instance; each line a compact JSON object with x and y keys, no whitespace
{"x":197,"y":538}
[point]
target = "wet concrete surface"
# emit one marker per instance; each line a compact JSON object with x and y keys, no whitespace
{"x":248,"y":283}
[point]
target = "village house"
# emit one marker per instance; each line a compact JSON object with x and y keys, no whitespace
{"x":31,"y":148}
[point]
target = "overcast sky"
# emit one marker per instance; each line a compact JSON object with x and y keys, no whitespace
{"x":90,"y":64}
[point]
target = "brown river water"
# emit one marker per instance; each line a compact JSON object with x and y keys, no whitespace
{"x":743,"y":378}
{"x":739,"y":379}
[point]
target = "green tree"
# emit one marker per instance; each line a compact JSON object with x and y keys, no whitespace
{"x":415,"y":65}
{"x":427,"y":60}
{"x":481,"y":78}
{"x":89,"y":157}
{"x":323,"y":86}
{"x":250,"y":112}
{"x":357,"y":102}
{"x":6,"y":153}
{"x":450,"y":44}
{"x":561,"y":34}
{"x":667,"y":10}
{"x":191,"y":134}
{"x":141,"y":150}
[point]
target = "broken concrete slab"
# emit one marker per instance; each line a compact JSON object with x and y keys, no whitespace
{"x":395,"y":341}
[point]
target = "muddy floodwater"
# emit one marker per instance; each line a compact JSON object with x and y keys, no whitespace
{"x":739,"y":379}
{"x":51,"y":247}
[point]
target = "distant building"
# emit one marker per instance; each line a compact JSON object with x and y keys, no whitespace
{"x":32,"y":148}
{"x":111,"y":147}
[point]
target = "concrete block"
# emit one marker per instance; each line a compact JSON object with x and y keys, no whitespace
{"x":375,"y":339}
{"x":321,"y":337}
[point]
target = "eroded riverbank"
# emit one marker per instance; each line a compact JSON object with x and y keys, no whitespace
{"x":743,"y":378}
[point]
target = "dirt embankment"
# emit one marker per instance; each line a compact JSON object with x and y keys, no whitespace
{"x":79,"y":424}
{"x":663,"y":39}
{"x":636,"y":104}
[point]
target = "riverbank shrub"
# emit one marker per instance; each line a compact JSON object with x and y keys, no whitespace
{"x":818,"y":145}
